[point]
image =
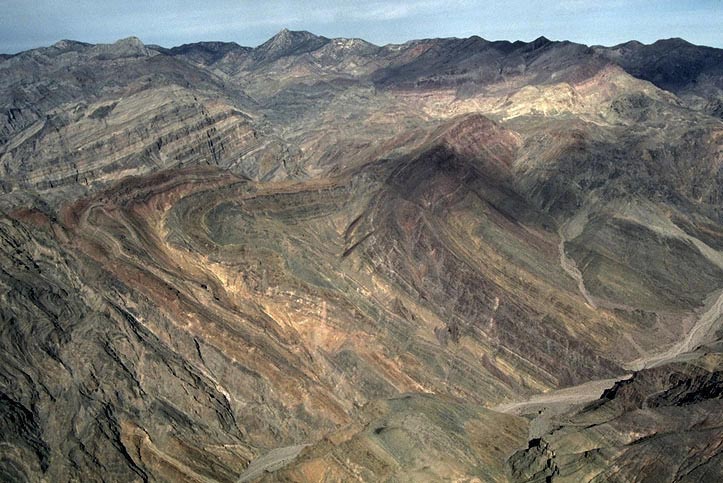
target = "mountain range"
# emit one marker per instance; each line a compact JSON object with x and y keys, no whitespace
{"x":326,"y":260}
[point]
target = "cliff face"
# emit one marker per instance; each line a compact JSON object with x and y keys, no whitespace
{"x":221,"y":262}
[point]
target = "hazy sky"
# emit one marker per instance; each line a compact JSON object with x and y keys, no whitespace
{"x":32,"y":23}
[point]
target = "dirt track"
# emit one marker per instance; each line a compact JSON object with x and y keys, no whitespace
{"x":273,"y":460}
{"x":707,"y":323}
{"x":555,"y":402}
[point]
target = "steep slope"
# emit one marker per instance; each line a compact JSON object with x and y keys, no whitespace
{"x":672,"y":64}
{"x":88,"y":389}
{"x":81,"y":115}
{"x":206,"y":53}
{"x":36,"y":82}
{"x":671,"y":411}
{"x":97,"y":143}
{"x":299,"y":257}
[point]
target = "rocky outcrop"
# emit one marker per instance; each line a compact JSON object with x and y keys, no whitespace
{"x":321,"y":258}
{"x":89,"y":390}
{"x":662,"y":424}
{"x":287,"y":43}
{"x":102,"y":142}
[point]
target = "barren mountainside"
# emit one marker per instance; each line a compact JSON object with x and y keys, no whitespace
{"x":326,"y":260}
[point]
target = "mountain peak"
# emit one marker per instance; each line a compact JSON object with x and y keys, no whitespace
{"x":127,"y":47}
{"x":68,"y":44}
{"x":132,"y":39}
{"x":287,"y":36}
{"x":288,"y":42}
{"x":536,"y":44}
{"x":130,"y":42}
{"x":672,"y":42}
{"x":207,"y":52}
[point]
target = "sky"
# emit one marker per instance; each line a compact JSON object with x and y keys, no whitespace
{"x":26,"y":24}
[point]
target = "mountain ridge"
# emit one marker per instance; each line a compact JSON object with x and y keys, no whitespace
{"x":285,"y":31}
{"x":677,"y":75}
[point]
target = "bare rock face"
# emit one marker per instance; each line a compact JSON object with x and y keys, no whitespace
{"x":322,"y":259}
{"x":287,"y":43}
{"x":661,"y":424}
{"x":88,"y":390}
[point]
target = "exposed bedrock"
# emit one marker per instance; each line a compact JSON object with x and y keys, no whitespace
{"x":663,"y":424}
{"x":324,"y":259}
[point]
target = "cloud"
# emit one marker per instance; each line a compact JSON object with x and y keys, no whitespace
{"x":398,"y":10}
{"x":582,"y":6}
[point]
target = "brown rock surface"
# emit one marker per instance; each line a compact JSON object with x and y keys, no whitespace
{"x":220,"y":262}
